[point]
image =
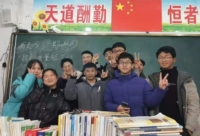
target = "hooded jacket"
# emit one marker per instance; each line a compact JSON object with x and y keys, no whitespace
{"x":89,"y":97}
{"x":111,"y":72}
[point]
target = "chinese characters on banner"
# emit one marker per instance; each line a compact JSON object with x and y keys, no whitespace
{"x":117,"y":15}
{"x":83,"y":13}
{"x":175,"y":15}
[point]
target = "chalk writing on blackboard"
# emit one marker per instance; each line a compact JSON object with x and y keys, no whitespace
{"x":47,"y":57}
{"x":29,"y":45}
{"x":69,"y":44}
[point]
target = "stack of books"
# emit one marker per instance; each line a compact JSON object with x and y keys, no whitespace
{"x":98,"y":123}
{"x":159,"y":125}
{"x":11,"y":126}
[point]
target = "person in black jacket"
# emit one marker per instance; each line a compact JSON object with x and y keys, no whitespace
{"x":67,"y":67}
{"x":47,"y":103}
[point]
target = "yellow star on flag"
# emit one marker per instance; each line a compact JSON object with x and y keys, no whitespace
{"x":119,"y":7}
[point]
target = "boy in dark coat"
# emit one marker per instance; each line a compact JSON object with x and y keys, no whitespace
{"x":129,"y":88}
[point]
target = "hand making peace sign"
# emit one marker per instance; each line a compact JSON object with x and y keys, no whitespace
{"x":137,"y":61}
{"x":163,"y":83}
{"x":104,"y":74}
{"x":64,"y":75}
{"x":96,"y":57}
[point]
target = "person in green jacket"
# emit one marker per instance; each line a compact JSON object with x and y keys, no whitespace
{"x":22,"y":86}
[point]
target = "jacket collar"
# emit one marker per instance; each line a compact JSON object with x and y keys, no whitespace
{"x":53,"y":91}
{"x":98,"y":81}
{"x":119,"y":76}
{"x":184,"y":77}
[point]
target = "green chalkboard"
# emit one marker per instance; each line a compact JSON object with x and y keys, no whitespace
{"x":50,"y":49}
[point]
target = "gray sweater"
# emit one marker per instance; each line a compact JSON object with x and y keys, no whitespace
{"x":89,"y":97}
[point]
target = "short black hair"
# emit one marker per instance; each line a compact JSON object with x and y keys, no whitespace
{"x":143,"y":62}
{"x":50,"y":69}
{"x":119,"y":44}
{"x":167,"y":49}
{"x":107,"y":49}
{"x":125,"y":55}
{"x":65,"y":60}
{"x":89,"y":65}
{"x":87,"y":52}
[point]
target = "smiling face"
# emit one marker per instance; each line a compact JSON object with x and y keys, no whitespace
{"x":125,"y":66}
{"x":117,"y":51}
{"x":86,"y":58}
{"x":67,"y":68}
{"x":36,"y":69}
{"x":166,"y":60}
{"x":50,"y":79}
{"x":108,"y":55}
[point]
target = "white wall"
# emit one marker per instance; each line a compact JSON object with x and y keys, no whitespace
{"x":24,"y":10}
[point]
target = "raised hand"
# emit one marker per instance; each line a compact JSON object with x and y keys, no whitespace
{"x":96,"y":57}
{"x":64,"y":75}
{"x":39,"y":75}
{"x":74,"y":74}
{"x":163,"y":83}
{"x":137,"y":61}
{"x":104,"y":74}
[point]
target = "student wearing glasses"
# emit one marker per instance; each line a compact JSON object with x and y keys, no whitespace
{"x":135,"y":91}
{"x":182,"y":100}
{"x":117,"y":49}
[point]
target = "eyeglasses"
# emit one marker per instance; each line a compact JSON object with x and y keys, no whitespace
{"x":116,"y":51}
{"x":126,"y":63}
{"x":164,"y":58}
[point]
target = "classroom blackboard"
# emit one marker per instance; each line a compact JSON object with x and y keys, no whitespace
{"x":51,"y":48}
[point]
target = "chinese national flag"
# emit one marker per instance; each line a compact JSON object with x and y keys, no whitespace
{"x":137,"y":15}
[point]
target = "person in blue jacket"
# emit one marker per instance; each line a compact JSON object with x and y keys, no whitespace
{"x":22,"y":86}
{"x":132,"y":94}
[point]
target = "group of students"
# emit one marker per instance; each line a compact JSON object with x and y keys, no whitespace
{"x":119,"y":86}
